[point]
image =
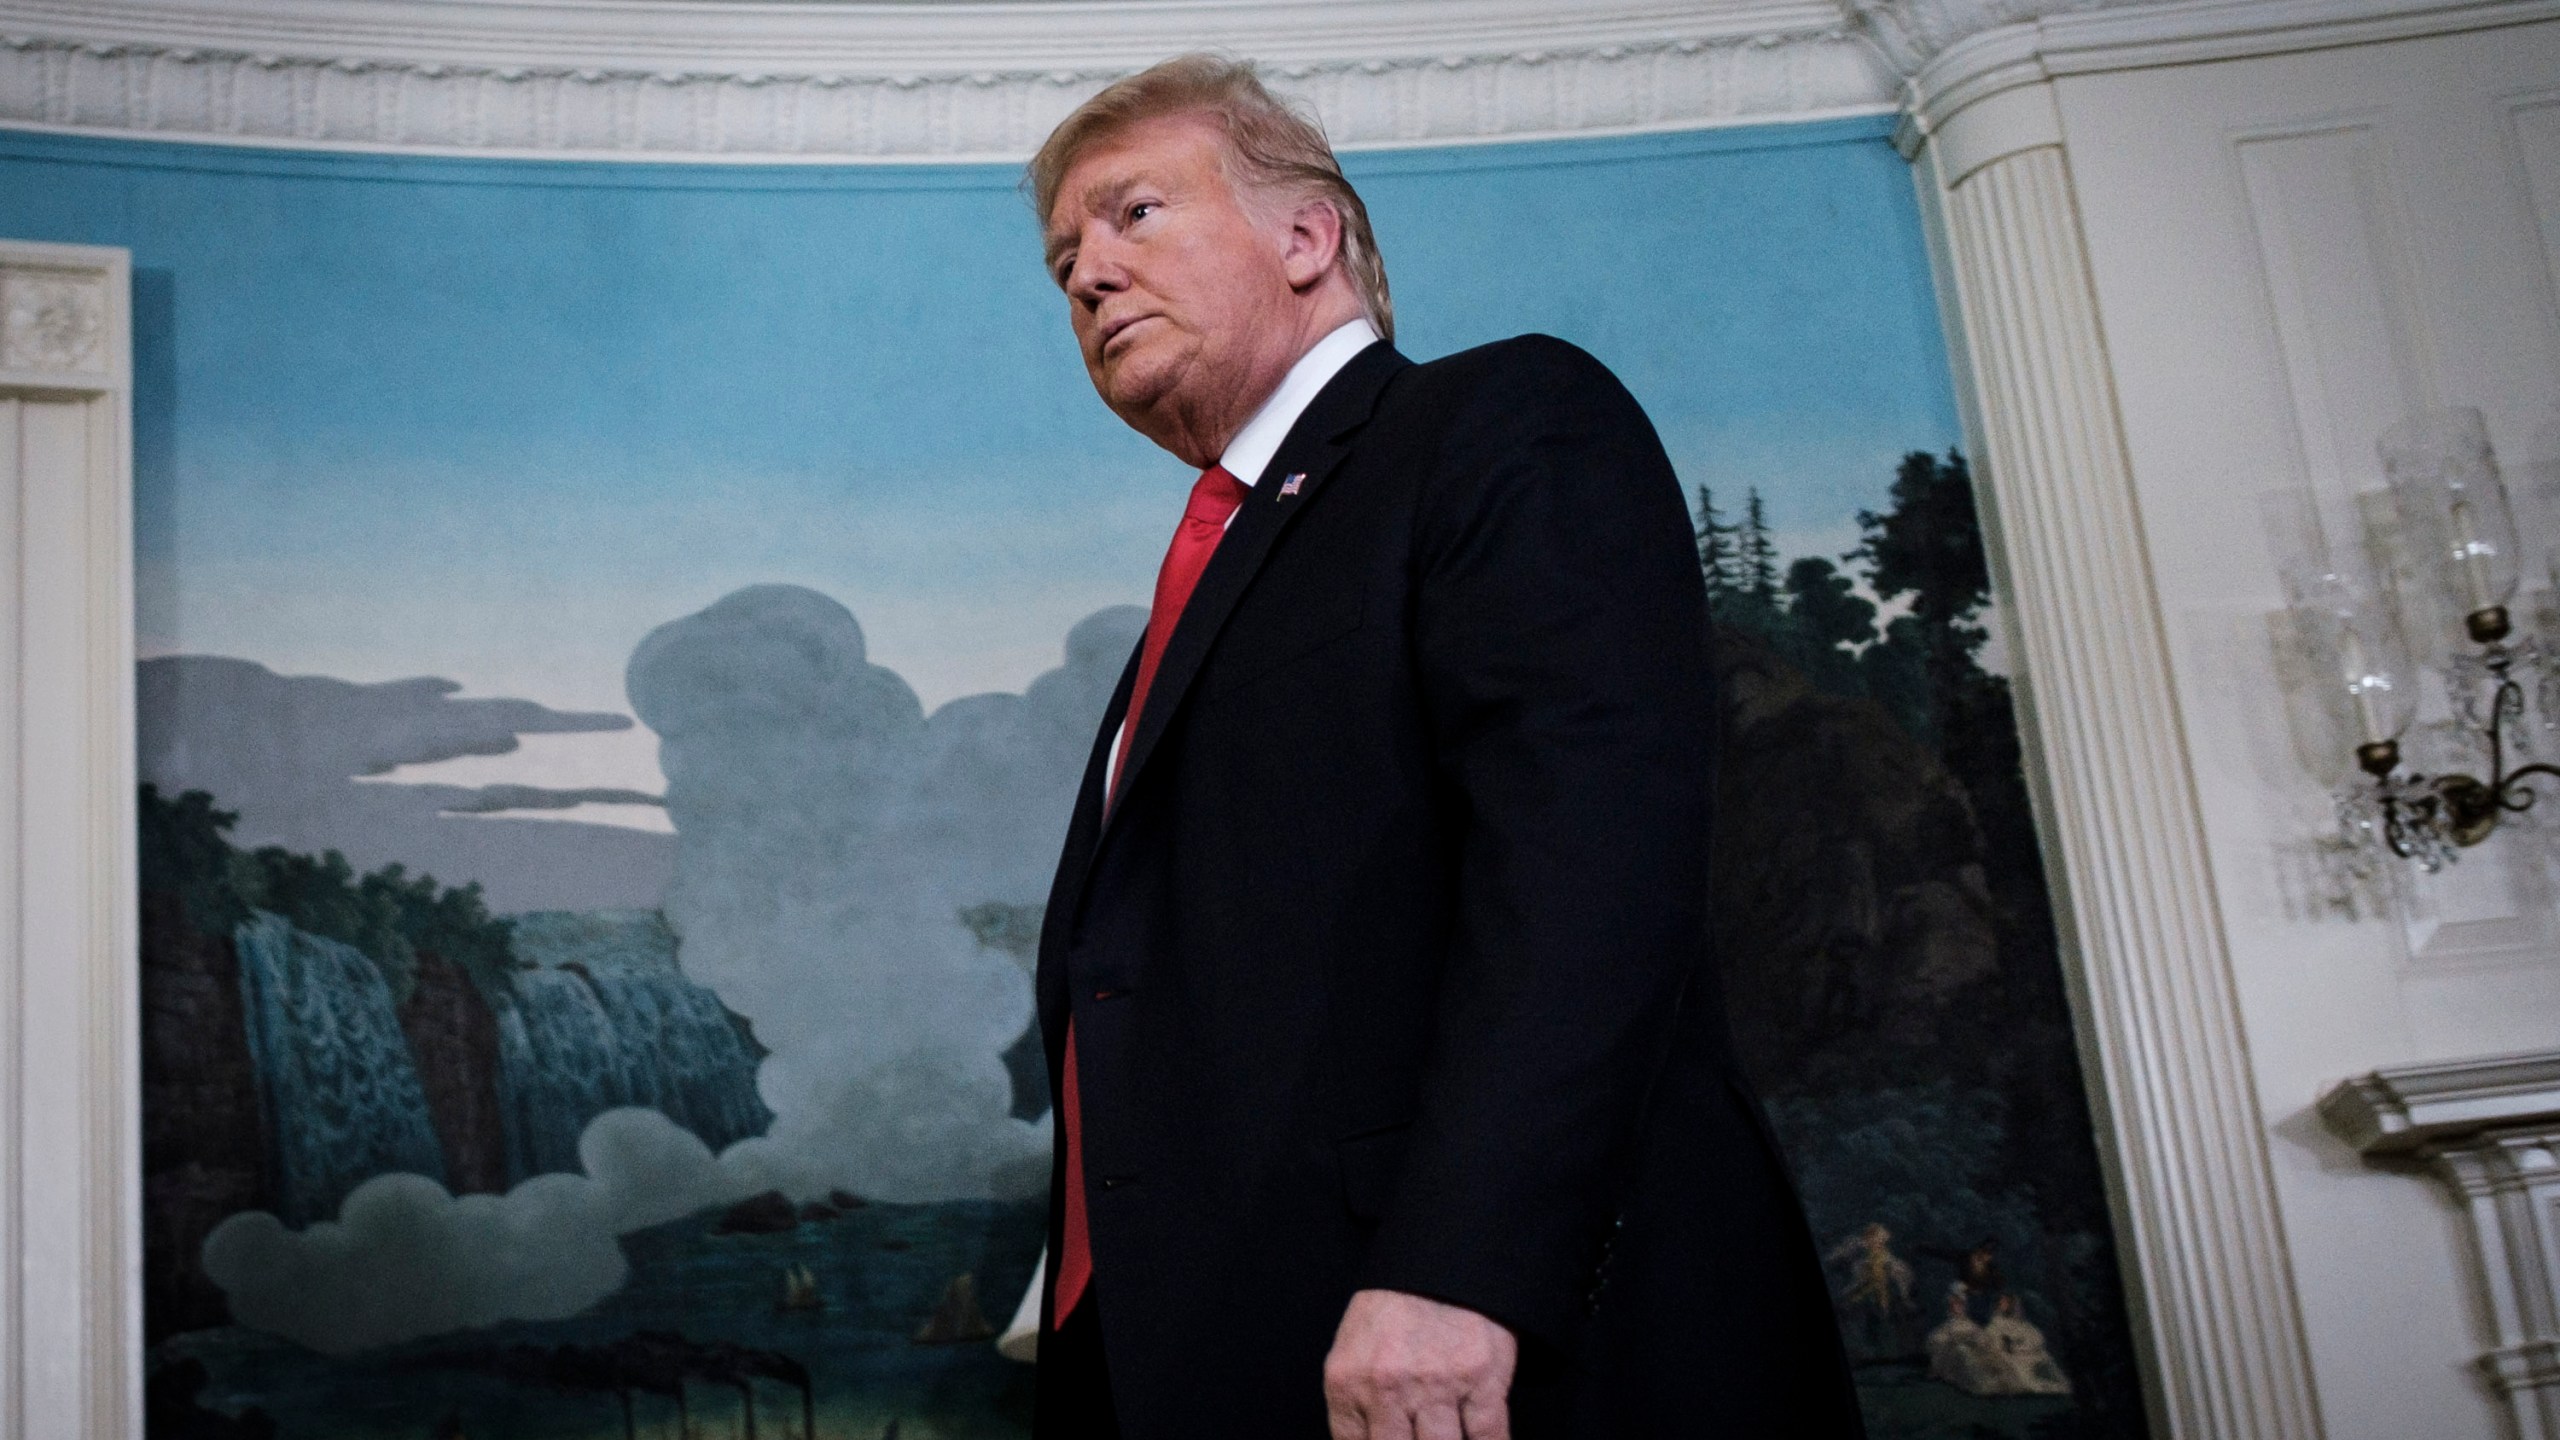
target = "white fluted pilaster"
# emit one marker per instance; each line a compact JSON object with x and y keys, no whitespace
{"x":2202,"y":1240}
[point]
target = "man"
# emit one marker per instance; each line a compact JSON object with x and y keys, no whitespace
{"x":1394,"y":1095}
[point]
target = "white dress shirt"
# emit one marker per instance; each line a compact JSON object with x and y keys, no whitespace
{"x":1249,"y":454}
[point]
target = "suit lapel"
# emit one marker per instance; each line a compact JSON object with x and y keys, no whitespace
{"x":1314,"y":447}
{"x":1075,"y":859}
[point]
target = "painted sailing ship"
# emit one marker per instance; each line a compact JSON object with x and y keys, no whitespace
{"x":800,"y":1290}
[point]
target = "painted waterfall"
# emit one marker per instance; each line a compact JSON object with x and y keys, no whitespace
{"x":621,"y":643}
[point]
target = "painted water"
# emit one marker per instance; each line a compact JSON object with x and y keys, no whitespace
{"x":335,"y":1074}
{"x":880,"y":1273}
{"x":602,"y":1017}
{"x":385,"y":1025}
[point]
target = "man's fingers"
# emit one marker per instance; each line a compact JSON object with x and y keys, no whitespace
{"x":1404,"y":1367}
{"x":1487,"y":1416}
{"x":1439,"y":1421}
{"x":1342,"y":1414}
{"x":1370,"y":1415}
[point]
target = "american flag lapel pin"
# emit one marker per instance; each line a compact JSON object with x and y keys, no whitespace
{"x":1290,"y":486}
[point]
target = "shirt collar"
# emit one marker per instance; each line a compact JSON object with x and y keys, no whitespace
{"x":1249,"y":454}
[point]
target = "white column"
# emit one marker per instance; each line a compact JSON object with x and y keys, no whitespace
{"x":2167,"y":1065}
{"x":70,"y":1172}
{"x":2490,"y":1130}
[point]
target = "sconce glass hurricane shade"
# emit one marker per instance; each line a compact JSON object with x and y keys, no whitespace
{"x":2371,"y":667}
{"x":2444,"y":482}
{"x":2542,"y":505}
{"x":2318,"y":715}
{"x":2372,"y":683}
{"x":2341,"y":659}
{"x":2291,"y":521}
{"x":2533,"y":489}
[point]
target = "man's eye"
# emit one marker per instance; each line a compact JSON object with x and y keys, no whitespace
{"x":1141,"y":211}
{"x":1066,"y":267}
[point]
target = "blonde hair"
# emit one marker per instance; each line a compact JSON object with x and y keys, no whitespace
{"x":1272,"y":147}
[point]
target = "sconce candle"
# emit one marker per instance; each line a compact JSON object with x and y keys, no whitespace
{"x":2372,"y":689}
{"x":2479,"y":580}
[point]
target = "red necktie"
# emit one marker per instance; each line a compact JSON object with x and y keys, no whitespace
{"x":1204,"y":521}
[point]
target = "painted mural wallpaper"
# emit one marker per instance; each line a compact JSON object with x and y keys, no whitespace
{"x":619,"y":645}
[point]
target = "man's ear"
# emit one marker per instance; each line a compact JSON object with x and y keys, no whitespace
{"x":1314,"y":244}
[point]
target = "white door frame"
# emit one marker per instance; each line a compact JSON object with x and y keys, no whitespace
{"x":70,"y":1132}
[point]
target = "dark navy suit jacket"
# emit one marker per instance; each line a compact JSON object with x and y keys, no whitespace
{"x":1390,"y":966}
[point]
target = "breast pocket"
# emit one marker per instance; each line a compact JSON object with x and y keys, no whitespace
{"x":1281,"y":633}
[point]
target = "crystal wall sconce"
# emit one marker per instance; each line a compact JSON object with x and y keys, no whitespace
{"x":2440,"y":561}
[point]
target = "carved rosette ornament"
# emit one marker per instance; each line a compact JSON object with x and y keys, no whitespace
{"x":52,"y":321}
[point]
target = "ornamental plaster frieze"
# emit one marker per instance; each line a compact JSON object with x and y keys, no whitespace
{"x":834,"y":82}
{"x":1912,"y":32}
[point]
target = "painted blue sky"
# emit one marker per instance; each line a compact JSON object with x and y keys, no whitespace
{"x":496,"y":420}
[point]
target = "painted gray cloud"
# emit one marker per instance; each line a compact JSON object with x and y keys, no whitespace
{"x":496,"y":799}
{"x":309,"y":724}
{"x":406,"y":1258}
{"x":284,"y":751}
{"x":828,"y":835}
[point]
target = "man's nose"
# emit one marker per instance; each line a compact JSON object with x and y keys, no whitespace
{"x":1097,"y":273}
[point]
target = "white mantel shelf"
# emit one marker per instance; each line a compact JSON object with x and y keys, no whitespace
{"x":2414,"y":1108}
{"x":2489,"y":1130}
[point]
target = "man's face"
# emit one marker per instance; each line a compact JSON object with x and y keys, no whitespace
{"x":1174,"y":286}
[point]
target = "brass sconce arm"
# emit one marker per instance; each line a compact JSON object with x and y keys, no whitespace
{"x":2462,"y":808}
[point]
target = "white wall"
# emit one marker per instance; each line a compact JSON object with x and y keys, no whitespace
{"x":2286,"y":252}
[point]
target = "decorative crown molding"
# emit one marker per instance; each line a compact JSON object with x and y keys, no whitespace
{"x":1960,"y":52}
{"x":882,"y":80}
{"x":1913,"y":32}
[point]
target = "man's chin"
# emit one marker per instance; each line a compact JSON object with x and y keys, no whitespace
{"x":1135,"y":384}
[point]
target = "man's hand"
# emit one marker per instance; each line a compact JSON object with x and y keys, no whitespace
{"x":1406,"y":1368}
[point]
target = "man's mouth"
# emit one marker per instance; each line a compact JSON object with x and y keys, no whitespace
{"x":1115,"y":329}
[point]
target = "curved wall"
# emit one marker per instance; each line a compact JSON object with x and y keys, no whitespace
{"x":821,"y":430}
{"x":476,"y":334}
